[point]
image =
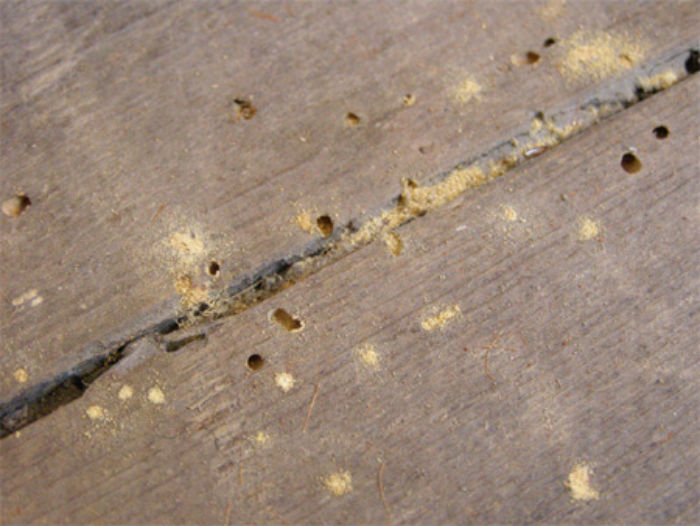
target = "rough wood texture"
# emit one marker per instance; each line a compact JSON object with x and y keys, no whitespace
{"x":565,"y":350}
{"x":119,"y":123}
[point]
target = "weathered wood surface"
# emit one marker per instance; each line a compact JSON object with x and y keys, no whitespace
{"x":119,"y":124}
{"x":565,"y":350}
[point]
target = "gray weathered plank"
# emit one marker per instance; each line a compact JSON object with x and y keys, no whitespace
{"x":592,"y":357}
{"x":118,"y":123}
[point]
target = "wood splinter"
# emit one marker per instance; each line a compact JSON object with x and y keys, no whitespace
{"x":489,"y":348}
{"x":380,"y":486}
{"x":311,"y":406}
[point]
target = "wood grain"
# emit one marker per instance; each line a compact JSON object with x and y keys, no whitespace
{"x":591,"y":348}
{"x":119,"y":123}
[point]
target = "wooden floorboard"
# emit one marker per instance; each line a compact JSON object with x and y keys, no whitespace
{"x":120,"y":124}
{"x":536,"y":327}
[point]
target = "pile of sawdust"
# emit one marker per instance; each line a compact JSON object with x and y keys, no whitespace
{"x":338,"y":483}
{"x":262,"y":438}
{"x":509,"y":213}
{"x":284,"y":381}
{"x":416,"y":200}
{"x":579,"y":483}
{"x":587,"y":228}
{"x":125,"y":392}
{"x":467,"y":90}
{"x":190,"y":293}
{"x":190,"y":254}
{"x":31,"y":297}
{"x":658,"y":82}
{"x":441,"y":319}
{"x":21,"y":376}
{"x":393,"y":243}
{"x":95,"y":412}
{"x":187,"y":245}
{"x":367,"y":355}
{"x":595,"y":55}
{"x":156,"y":395}
{"x":303,"y":219}
{"x":420,"y":199}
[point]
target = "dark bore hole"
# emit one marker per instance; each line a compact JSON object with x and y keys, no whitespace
{"x":642,"y":94}
{"x":255,"y":362}
{"x":245,"y":109}
{"x":213,"y":268}
{"x":286,"y":320}
{"x":550,"y":42}
{"x":661,"y":132}
{"x":325,"y":225}
{"x":692,"y":64}
{"x":531,"y":57}
{"x":201,"y":308}
{"x":351,"y":119}
{"x":14,"y":206}
{"x":630,"y":163}
{"x":176,"y":345}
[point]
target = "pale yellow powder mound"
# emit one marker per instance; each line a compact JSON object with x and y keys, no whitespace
{"x":393,"y":243}
{"x":467,"y":90}
{"x":338,"y":483}
{"x":416,"y":200}
{"x":658,"y":82}
{"x":95,"y":412}
{"x":156,"y":395}
{"x":284,"y":381}
{"x":509,"y":213}
{"x":441,"y":319}
{"x":303,"y":219}
{"x":190,"y":293}
{"x":262,"y":438}
{"x":21,"y":375}
{"x":595,"y":55}
{"x":186,"y":244}
{"x":579,"y":483}
{"x":419,"y":199}
{"x":587,"y":228}
{"x":31,"y":296}
{"x":368,"y":356}
{"x":125,"y":392}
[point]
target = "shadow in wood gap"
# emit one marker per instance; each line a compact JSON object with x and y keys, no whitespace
{"x":44,"y":398}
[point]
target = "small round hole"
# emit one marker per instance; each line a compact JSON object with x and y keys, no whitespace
{"x":630,"y":163}
{"x":692,"y":64}
{"x":202,"y":307}
{"x":661,"y":132}
{"x":255,"y":362}
{"x":531,"y":57}
{"x":550,"y":42}
{"x":325,"y":225}
{"x":287,"y":321}
{"x":409,"y":99}
{"x":351,"y":119}
{"x":213,"y":268}
{"x":14,"y":206}
{"x":244,"y":109}
{"x":528,"y":58}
